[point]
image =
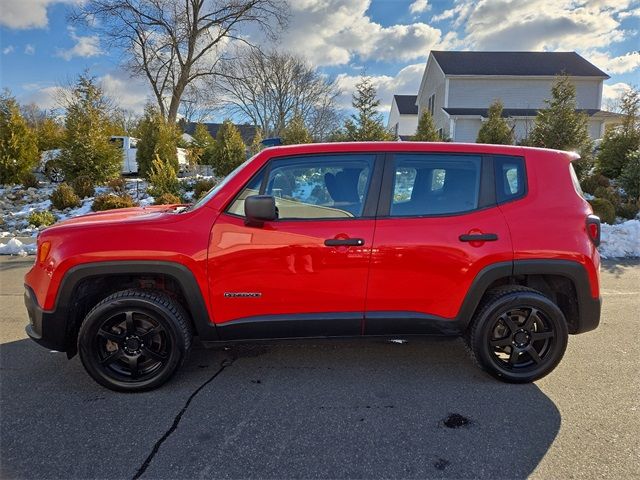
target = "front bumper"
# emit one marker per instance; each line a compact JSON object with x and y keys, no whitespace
{"x":49,"y":329}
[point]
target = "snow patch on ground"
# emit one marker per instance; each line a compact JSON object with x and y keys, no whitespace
{"x":620,"y":240}
{"x":16,"y":247}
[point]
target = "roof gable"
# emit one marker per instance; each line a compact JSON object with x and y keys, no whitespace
{"x":406,"y":104}
{"x":516,"y":63}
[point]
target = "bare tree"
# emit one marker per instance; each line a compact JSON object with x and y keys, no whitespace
{"x":269,"y":89}
{"x":173,"y":43}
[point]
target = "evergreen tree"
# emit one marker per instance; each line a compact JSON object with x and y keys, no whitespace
{"x":18,"y":145}
{"x":495,"y":130}
{"x":50,"y":134}
{"x":366,"y":124}
{"x":296,"y":132}
{"x":256,"y":144}
{"x":561,"y":127}
{"x":426,"y":131}
{"x":620,"y":141}
{"x":229,"y":150}
{"x":157,"y":137}
{"x":201,"y":148}
{"x":86,"y":149}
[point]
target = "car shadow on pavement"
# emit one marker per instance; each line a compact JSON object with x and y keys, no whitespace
{"x":322,"y":409}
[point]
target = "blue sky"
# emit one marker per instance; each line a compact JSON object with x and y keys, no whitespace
{"x":389,"y":39}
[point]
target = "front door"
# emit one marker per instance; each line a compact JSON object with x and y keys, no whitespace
{"x":439,"y":225}
{"x":305,"y":273}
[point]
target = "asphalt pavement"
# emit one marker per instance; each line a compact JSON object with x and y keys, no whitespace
{"x":328,"y":409}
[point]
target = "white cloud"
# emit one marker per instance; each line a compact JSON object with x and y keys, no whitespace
{"x":614,"y":65}
{"x":21,"y":14}
{"x":611,"y":95}
{"x":29,"y":49}
{"x":333,"y":32}
{"x":8,"y":49}
{"x":86,"y":46}
{"x":419,"y":6}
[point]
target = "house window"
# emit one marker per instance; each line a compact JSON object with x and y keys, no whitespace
{"x":440,"y":133}
{"x":432,"y":104}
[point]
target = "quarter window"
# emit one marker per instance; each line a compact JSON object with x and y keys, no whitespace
{"x":435,"y":184}
{"x":510,"y":178}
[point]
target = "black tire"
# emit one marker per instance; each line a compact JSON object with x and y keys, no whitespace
{"x":518,"y":335}
{"x":134,"y":340}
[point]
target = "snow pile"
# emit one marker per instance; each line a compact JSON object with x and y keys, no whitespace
{"x":16,"y":247}
{"x":621,"y":240}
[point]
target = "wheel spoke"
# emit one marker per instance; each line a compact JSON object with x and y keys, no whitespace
{"x":114,"y":337}
{"x":500,"y":342}
{"x":148,"y":336}
{"x":509,"y":323}
{"x":515,"y":355}
{"x":111,"y":358}
{"x":535,"y":336}
{"x":533,"y":354}
{"x":531,"y":319}
{"x":131,"y":328}
{"x":133,"y":365}
{"x":160,"y":357}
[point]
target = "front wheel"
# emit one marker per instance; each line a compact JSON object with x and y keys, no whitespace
{"x":518,"y":335}
{"x":134,"y":340}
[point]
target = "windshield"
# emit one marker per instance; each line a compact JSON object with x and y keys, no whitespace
{"x":212,"y":193}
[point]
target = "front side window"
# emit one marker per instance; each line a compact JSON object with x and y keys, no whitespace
{"x":435,"y":184}
{"x":317,"y":187}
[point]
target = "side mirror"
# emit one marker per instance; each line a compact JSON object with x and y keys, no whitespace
{"x":259,"y":209}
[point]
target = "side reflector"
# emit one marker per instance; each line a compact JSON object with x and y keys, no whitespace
{"x":43,"y":251}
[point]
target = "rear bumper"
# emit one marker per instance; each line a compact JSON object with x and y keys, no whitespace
{"x":46,"y":328}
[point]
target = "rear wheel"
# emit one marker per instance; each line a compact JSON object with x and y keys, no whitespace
{"x":518,"y":335}
{"x":134,"y":340}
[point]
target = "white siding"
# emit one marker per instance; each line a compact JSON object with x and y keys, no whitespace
{"x":466,"y":130}
{"x":434,"y":82}
{"x":406,"y":124}
{"x":595,"y":129}
{"x":517,"y":92}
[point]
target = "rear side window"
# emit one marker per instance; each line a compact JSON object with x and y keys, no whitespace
{"x":510,"y":178}
{"x":435,"y":184}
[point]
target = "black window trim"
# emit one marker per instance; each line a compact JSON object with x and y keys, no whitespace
{"x":525,"y":179}
{"x":486,"y":196}
{"x":371,"y":196}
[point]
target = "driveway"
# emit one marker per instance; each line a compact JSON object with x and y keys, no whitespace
{"x":323,"y":409}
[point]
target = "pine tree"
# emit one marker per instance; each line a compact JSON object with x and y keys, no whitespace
{"x":157,"y":137}
{"x":296,"y":132}
{"x":495,"y":130}
{"x":86,"y":149}
{"x":620,"y":141}
{"x":201,"y":148}
{"x":366,"y":124}
{"x":50,"y":134}
{"x":229,"y":150}
{"x":18,"y":145}
{"x":426,"y":131}
{"x":561,"y":127}
{"x":256,"y":144}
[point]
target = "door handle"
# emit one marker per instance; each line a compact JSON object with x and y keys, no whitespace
{"x":344,"y":242}
{"x":478,"y":237}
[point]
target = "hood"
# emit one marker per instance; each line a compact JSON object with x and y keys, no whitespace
{"x":133,"y":214}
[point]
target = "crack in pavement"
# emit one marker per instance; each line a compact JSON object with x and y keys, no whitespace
{"x":176,"y":421}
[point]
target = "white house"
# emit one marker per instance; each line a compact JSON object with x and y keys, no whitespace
{"x":403,"y":116}
{"x":458,"y":87}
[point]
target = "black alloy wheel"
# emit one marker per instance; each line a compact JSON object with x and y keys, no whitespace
{"x":134,"y":340}
{"x":518,"y":335}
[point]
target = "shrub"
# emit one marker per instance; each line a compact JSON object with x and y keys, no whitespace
{"x":592,"y":182}
{"x":83,"y":186}
{"x":41,"y":219}
{"x":201,"y":187}
{"x":167,"y":199}
{"x":158,"y":138}
{"x":163,"y":178}
{"x":495,"y":130}
{"x":630,"y":177}
{"x":604,"y":209}
{"x":110,"y":202}
{"x":29,"y":180}
{"x":118,"y":185}
{"x":18,"y":145}
{"x":608,"y":193}
{"x":628,"y":209}
{"x":228,"y":150}
{"x":64,"y":197}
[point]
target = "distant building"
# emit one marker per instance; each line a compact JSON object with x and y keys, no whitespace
{"x":403,"y":117}
{"x":247,"y":132}
{"x":458,"y":88}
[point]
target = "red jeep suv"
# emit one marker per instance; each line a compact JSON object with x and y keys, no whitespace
{"x":492,"y":243}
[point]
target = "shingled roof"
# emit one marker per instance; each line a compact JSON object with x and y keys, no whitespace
{"x":406,"y":104}
{"x":516,"y":63}
{"x":247,"y":132}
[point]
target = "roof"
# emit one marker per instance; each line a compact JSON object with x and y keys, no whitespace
{"x":507,"y":112}
{"x":247,"y":132}
{"x":406,"y":104}
{"x":516,"y":63}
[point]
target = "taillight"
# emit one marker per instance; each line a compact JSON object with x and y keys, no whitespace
{"x":593,"y":229}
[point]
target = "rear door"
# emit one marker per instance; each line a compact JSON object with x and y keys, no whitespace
{"x":438,"y":226}
{"x":304,"y":274}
